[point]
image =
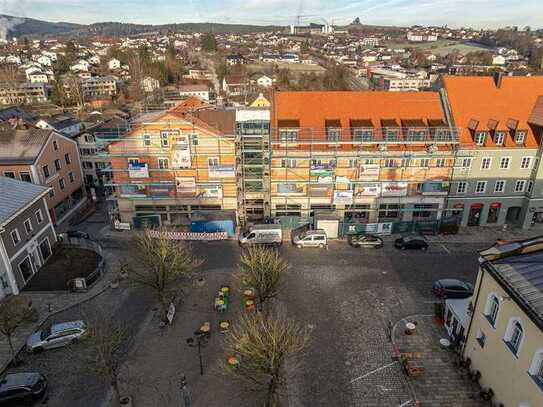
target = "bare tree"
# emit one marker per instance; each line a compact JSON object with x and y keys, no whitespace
{"x":9,"y":73}
{"x":13,"y":313}
{"x":75,"y":89}
{"x":167,"y":266}
{"x":262,"y":269}
{"x":262,"y":346}
{"x":105,"y":343}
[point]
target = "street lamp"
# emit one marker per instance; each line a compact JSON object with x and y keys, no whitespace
{"x":199,"y":341}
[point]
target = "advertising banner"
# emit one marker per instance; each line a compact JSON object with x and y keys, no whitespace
{"x":212,"y":191}
{"x":180,"y":152}
{"x":394,"y":189}
{"x":368,"y":189}
{"x":323,"y":169}
{"x":368,"y":172}
{"x":222,"y":171}
{"x":379,"y":228}
{"x":343,"y":197}
{"x":185,"y":185}
{"x":138,"y":170}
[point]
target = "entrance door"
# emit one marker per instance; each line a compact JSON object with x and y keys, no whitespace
{"x":45,"y":250}
{"x":26,"y":269}
{"x":513,"y":215}
{"x":474,"y":218}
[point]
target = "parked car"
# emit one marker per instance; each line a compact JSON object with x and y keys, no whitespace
{"x":78,"y":234}
{"x":262,"y":234}
{"x":56,"y":335}
{"x":310,"y":238}
{"x":452,"y":288}
{"x":411,"y":242}
{"x":18,"y":389}
{"x":370,"y":241}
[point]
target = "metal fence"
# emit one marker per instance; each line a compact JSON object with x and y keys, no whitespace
{"x":87,"y":244}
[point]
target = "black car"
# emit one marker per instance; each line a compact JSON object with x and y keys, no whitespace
{"x":18,"y":389}
{"x":452,"y":288}
{"x":411,"y":242}
{"x":78,"y":234}
{"x":365,"y":241}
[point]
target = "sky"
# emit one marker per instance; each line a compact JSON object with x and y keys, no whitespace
{"x":454,"y":13}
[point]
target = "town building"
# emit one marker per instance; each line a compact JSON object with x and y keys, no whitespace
{"x":504,"y":339}
{"x":99,"y":86}
{"x":44,"y":157}
{"x":27,"y":234}
{"x":364,"y":156}
{"x":178,"y":164}
{"x":62,"y":123}
{"x":20,"y":93}
{"x":235,"y":85}
{"x":497,"y":178}
{"x":150,"y":84}
{"x":201,"y":91}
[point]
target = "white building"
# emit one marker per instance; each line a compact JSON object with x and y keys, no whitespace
{"x":114,"y":64}
{"x":498,"y":60}
{"x":264,"y":81}
{"x":149,"y":84}
{"x":199,"y":90}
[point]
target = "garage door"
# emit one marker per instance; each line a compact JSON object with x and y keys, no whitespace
{"x":330,"y":227}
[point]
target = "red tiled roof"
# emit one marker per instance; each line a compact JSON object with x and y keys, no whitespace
{"x":191,"y":103}
{"x":477,"y":99}
{"x":313,"y":108}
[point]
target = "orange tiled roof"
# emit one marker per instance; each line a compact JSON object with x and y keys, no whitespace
{"x":191,"y":103}
{"x":313,"y":108}
{"x":476,"y":102}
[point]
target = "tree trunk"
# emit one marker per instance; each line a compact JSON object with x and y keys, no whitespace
{"x":163,"y":306}
{"x":13,"y":355}
{"x":271,"y":393}
{"x":116,"y":394}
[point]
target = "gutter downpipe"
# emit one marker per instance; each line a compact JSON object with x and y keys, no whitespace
{"x":482,"y":268}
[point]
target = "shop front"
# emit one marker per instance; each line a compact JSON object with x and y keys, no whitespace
{"x":493,"y":213}
{"x":475,"y":211}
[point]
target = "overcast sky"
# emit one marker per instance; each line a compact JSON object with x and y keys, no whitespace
{"x":455,"y":13}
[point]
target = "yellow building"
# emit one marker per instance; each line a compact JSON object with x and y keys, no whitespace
{"x":504,"y":339}
{"x":260,"y":101}
{"x":179,"y":164}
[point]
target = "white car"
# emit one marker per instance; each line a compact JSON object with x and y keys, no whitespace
{"x":56,"y":335}
{"x":311,"y":238}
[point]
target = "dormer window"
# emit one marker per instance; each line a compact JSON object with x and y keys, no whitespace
{"x":520,"y":136}
{"x":499,"y":138}
{"x":480,"y":138}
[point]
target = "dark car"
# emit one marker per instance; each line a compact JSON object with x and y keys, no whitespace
{"x":365,"y":241}
{"x":18,"y":389}
{"x":78,"y":234}
{"x":452,"y":288}
{"x":411,"y":242}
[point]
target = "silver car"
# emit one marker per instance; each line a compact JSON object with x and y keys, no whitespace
{"x":310,"y":238}
{"x":56,"y":335}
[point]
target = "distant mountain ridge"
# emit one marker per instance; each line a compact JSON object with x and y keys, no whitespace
{"x":18,"y":27}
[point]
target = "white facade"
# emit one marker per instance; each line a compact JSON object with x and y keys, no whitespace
{"x":265,"y":81}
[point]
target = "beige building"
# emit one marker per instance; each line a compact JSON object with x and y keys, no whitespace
{"x":504,"y":339}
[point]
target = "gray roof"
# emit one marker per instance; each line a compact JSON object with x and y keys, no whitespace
{"x":16,"y":195}
{"x":21,"y":145}
{"x":519,"y":266}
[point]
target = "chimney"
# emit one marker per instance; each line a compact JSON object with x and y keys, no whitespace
{"x":498,"y":76}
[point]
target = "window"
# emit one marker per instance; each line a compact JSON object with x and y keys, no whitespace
{"x":163,"y":163}
{"x":288,"y":135}
{"x":486,"y":162}
{"x":146,"y":140}
{"x":57,"y":165}
{"x":461,"y":188}
{"x":71,"y":177}
{"x":194,"y":139}
{"x":55,"y":145}
{"x":133,"y":161}
{"x":333,"y":134}
{"x":441,"y":162}
{"x":67,"y":158}
{"x":362,"y":134}
{"x":480,"y":187}
{"x":425,"y":162}
{"x":45,"y":170}
{"x":25,"y":176}
{"x":15,"y":236}
{"x":9,"y":174}
{"x":28,"y":226}
{"x":499,"y":186}
{"x":465,"y":162}
{"x":61,"y":184}
{"x":499,"y":138}
{"x":164,"y":141}
{"x":530,"y":187}
{"x":288,"y":163}
{"x":406,"y":162}
{"x":389,"y":163}
{"x":526,"y":162}
{"x":39,"y":216}
{"x":51,"y":192}
{"x":536,"y":368}
{"x":492,"y":308}
{"x":89,"y":138}
{"x":505,"y":163}
{"x":212,"y":162}
{"x":514,"y":335}
{"x":520,"y":136}
{"x":481,"y":338}
{"x":480,"y":138}
{"x":520,"y":185}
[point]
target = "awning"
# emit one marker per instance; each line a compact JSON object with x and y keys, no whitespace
{"x":495,"y":205}
{"x":477,"y":206}
{"x":458,"y":206}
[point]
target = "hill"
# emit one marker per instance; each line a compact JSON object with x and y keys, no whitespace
{"x":18,"y":27}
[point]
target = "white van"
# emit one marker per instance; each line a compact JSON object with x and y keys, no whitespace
{"x":310,"y":238}
{"x":262,"y":234}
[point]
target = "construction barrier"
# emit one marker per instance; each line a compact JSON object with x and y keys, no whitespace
{"x":188,"y":235}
